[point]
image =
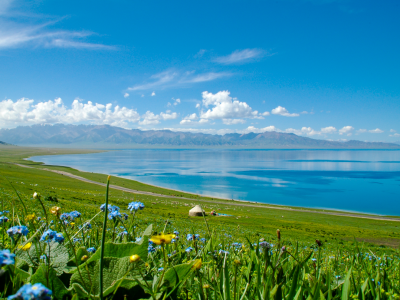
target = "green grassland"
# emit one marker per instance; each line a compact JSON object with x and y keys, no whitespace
{"x":77,"y":195}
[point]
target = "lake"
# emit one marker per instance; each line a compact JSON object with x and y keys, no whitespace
{"x":353,"y":180}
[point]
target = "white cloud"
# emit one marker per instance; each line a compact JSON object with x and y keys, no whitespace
{"x":283,"y":112}
{"x":395,"y":134}
{"x":226,"y":107}
{"x":346,"y":130}
{"x":16,"y":32}
{"x":377,"y":130}
{"x":239,"y":56}
{"x":153,"y":94}
{"x":258,"y":130}
{"x":233,"y":121}
{"x":198,"y":105}
{"x":177,"y":101}
{"x":265,"y":113}
{"x":171,"y":78}
{"x":392,"y":130}
{"x":25,"y":112}
{"x":149,"y":118}
{"x":362,"y":130}
{"x":126,"y":95}
{"x":328,"y":130}
{"x":200,"y":53}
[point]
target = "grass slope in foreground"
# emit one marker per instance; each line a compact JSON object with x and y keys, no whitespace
{"x":239,"y":257}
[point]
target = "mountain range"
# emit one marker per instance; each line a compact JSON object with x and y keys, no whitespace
{"x":105,"y":136}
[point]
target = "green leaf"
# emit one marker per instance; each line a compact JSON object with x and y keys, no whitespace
{"x":346,"y":286}
{"x":176,"y":274}
{"x":294,"y":282}
{"x":48,"y":277}
{"x":118,"y":272}
{"x":59,"y":257}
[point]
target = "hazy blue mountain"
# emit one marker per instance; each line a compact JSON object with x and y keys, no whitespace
{"x":105,"y":135}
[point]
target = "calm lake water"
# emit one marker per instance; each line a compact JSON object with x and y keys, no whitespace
{"x":363,"y":181}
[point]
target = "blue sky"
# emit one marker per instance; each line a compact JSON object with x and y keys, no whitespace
{"x":323,"y":69}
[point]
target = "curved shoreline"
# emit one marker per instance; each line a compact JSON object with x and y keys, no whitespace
{"x":239,"y":202}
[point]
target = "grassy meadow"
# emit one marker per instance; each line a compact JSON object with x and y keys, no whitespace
{"x":312,"y":256}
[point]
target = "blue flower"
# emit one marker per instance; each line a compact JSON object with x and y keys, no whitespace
{"x":265,"y":245}
{"x":17,"y":230}
{"x":314,"y":259}
{"x":6,"y":257}
{"x":223,"y":252}
{"x":135,"y":206}
{"x":32,"y":292}
{"x":91,"y":250}
{"x":59,"y":238}
{"x":123,"y":233}
{"x":176,"y":232}
{"x":3,"y":219}
{"x":87,"y":225}
{"x":189,"y":237}
{"x":43,"y":257}
{"x":151,"y":249}
{"x":4,"y":212}
{"x":173,"y":241}
{"x":160,"y":269}
{"x":125,"y":216}
{"x":189,"y":249}
{"x":75,"y":240}
{"x":110,"y":208}
{"x":203,"y":240}
{"x":52,"y":236}
{"x":75,"y":214}
{"x":114,"y":214}
{"x":138,"y":239}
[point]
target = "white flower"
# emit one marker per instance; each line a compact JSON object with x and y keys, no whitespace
{"x":35,"y":195}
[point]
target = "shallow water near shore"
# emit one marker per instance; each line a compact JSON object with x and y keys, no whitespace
{"x":353,"y":180}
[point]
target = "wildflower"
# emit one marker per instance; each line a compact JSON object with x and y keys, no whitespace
{"x":3,"y":219}
{"x":76,"y":240}
{"x":6,"y":257}
{"x":55,"y":210}
{"x":162,"y":238}
{"x":25,"y":247}
{"x":138,"y":239}
{"x":206,"y":286}
{"x":223,"y":252}
{"x":123,"y":233}
{"x":160,"y":269}
{"x":33,"y":292}
{"x":189,"y":237}
{"x":30,"y":217}
{"x":52,"y":236}
{"x":319,"y":243}
{"x":35,"y":195}
{"x":189,"y":249}
{"x":114,"y":214}
{"x":135,"y":206}
{"x":84,"y":258}
{"x":203,"y":240}
{"x":283,"y":249}
{"x":43,"y":257}
{"x":125,"y":216}
{"x":91,"y":250}
{"x":197,"y":264}
{"x":278,"y":234}
{"x":237,"y":262}
{"x":134,"y":258}
{"x":176,"y":232}
{"x":110,"y":208}
{"x":17,"y":230}
{"x":75,"y":214}
{"x":151,"y":249}
{"x":87,"y":225}
{"x":265,"y":245}
{"x":4,"y":212}
{"x":314,"y":259}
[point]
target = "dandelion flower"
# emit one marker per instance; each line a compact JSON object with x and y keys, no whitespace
{"x":134,"y":258}
{"x":162,"y":239}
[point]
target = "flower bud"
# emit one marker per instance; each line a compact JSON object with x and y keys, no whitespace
{"x":278,"y":234}
{"x":84,"y":258}
{"x":35,"y":195}
{"x":319,"y":243}
{"x":134,"y":258}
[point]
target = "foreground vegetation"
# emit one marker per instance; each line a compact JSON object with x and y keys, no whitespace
{"x":52,"y":246}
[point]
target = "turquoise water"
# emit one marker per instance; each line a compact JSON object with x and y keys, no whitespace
{"x":363,"y":181}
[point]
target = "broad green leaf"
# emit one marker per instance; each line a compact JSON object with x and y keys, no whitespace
{"x":48,"y":277}
{"x":176,"y":274}
{"x":346,"y":286}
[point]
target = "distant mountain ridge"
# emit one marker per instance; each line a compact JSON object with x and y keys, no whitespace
{"x":103,"y":135}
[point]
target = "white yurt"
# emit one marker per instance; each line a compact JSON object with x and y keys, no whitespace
{"x":196,"y":211}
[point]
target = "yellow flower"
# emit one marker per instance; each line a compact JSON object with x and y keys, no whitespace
{"x":30,"y":217}
{"x":162,"y":238}
{"x":206,"y":286}
{"x":84,"y":258}
{"x":134,"y":258}
{"x":25,"y":247}
{"x":197,"y":264}
{"x":237,"y":261}
{"x":55,"y":210}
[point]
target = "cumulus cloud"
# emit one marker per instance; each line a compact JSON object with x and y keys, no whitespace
{"x":283,"y":112}
{"x":149,"y":118}
{"x":233,"y":121}
{"x":153,"y":94}
{"x":377,"y":130}
{"x":25,"y":112}
{"x":126,"y":95}
{"x":226,"y":107}
{"x":328,"y":130}
{"x":346,"y":130}
{"x":239,"y":56}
